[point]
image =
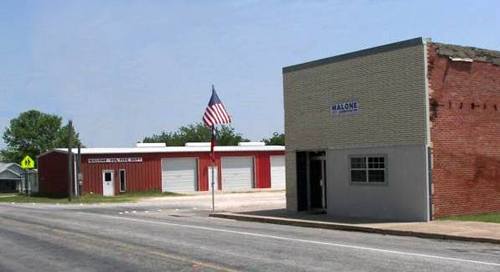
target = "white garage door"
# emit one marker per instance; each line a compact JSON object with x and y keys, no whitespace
{"x":278,"y":172}
{"x":237,"y":173}
{"x":179,"y":175}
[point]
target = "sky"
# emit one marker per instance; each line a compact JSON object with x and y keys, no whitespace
{"x":123,"y":70}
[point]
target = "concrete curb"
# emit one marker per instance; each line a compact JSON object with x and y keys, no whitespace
{"x":349,"y":227}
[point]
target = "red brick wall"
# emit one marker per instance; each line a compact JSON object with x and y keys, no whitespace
{"x":465,"y":133}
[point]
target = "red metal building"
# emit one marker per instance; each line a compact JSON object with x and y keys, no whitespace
{"x":110,"y":171}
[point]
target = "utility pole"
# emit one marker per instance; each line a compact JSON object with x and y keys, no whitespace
{"x":79,"y":171}
{"x":70,"y":161}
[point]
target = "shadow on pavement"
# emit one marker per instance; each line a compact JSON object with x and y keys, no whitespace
{"x":315,"y":216}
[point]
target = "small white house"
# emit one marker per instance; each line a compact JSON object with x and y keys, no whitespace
{"x":10,"y":177}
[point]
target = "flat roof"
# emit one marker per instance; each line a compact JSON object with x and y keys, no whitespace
{"x":355,"y":54}
{"x":168,"y":149}
{"x":467,"y":53}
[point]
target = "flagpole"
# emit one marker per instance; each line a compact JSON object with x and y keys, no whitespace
{"x":212,"y":155}
{"x":215,"y":114}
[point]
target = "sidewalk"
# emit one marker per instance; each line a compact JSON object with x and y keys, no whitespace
{"x":439,"y":229}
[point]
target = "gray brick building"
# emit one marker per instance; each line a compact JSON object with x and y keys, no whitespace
{"x":357,"y":133}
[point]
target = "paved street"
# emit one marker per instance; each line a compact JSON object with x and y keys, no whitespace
{"x":168,"y":236}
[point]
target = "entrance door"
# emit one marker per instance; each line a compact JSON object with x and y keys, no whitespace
{"x":311,"y":181}
{"x":317,"y":183}
{"x":108,"y":183}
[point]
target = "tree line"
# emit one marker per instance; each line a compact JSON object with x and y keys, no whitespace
{"x":34,"y":132}
{"x":225,"y":135}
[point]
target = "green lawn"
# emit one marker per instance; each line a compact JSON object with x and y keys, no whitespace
{"x":485,"y":217}
{"x":88,"y":198}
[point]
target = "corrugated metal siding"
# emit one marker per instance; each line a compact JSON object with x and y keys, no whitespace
{"x":146,"y":175}
{"x":263,"y":171}
{"x":238,"y":173}
{"x":140,"y":176}
{"x":203,"y":162}
{"x":53,"y":174}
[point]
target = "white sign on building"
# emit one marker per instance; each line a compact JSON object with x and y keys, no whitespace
{"x":114,"y":160}
{"x":345,"y":108}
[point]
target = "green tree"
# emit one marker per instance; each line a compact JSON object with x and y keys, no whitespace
{"x":226,"y":135}
{"x":32,"y":133}
{"x":61,"y":139}
{"x":276,"y":139}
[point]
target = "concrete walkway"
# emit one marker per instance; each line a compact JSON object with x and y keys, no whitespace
{"x":439,"y":229}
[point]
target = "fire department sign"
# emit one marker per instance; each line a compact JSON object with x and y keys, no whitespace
{"x":115,"y":160}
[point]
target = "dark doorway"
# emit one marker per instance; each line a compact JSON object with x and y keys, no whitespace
{"x":316,"y":184}
{"x":302,"y":191}
{"x":311,"y":181}
{"x":123,"y":181}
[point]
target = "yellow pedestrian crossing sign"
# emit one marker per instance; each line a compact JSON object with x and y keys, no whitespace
{"x":27,"y":163}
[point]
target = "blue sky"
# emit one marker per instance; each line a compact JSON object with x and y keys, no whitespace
{"x":123,"y":70}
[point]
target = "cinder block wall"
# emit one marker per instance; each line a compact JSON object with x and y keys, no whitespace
{"x":465,"y":133}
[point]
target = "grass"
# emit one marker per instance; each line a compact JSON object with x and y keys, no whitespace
{"x":485,"y":217}
{"x":87,"y":198}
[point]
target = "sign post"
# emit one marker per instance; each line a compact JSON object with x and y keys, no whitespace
{"x":27,"y":163}
{"x":70,"y":161}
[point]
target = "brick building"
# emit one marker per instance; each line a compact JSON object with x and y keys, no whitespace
{"x":408,"y":131}
{"x":464,"y":89}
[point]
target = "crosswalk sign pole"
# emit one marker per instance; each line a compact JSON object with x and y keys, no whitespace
{"x":26,"y":181}
{"x":27,"y":163}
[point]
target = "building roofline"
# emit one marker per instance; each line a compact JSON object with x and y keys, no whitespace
{"x":18,"y":175}
{"x":168,"y":149}
{"x":58,"y":150}
{"x":355,"y":54}
{"x":467,"y":53}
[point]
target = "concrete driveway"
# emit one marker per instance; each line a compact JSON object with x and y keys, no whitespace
{"x":234,"y":202}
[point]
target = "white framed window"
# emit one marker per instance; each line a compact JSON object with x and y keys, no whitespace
{"x":123,"y":181}
{"x":368,"y":169}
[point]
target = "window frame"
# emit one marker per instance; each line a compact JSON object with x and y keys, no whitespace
{"x":106,"y":172}
{"x":367,"y":169}
{"x":122,"y":190}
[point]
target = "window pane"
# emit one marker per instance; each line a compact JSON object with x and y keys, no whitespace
{"x":376,"y":175}
{"x":107,"y":176}
{"x":358,"y":175}
{"x":376,"y":162}
{"x":122,"y":181}
{"x":358,"y":162}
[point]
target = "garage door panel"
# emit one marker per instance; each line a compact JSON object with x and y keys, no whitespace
{"x":278,"y":180}
{"x":237,"y":173}
{"x":179,"y":174}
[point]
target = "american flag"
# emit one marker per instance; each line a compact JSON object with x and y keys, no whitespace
{"x":215,"y":113}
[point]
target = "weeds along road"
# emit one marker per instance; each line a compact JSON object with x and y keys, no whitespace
{"x":154,"y":238}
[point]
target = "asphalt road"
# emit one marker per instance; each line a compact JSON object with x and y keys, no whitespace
{"x":163,"y":238}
